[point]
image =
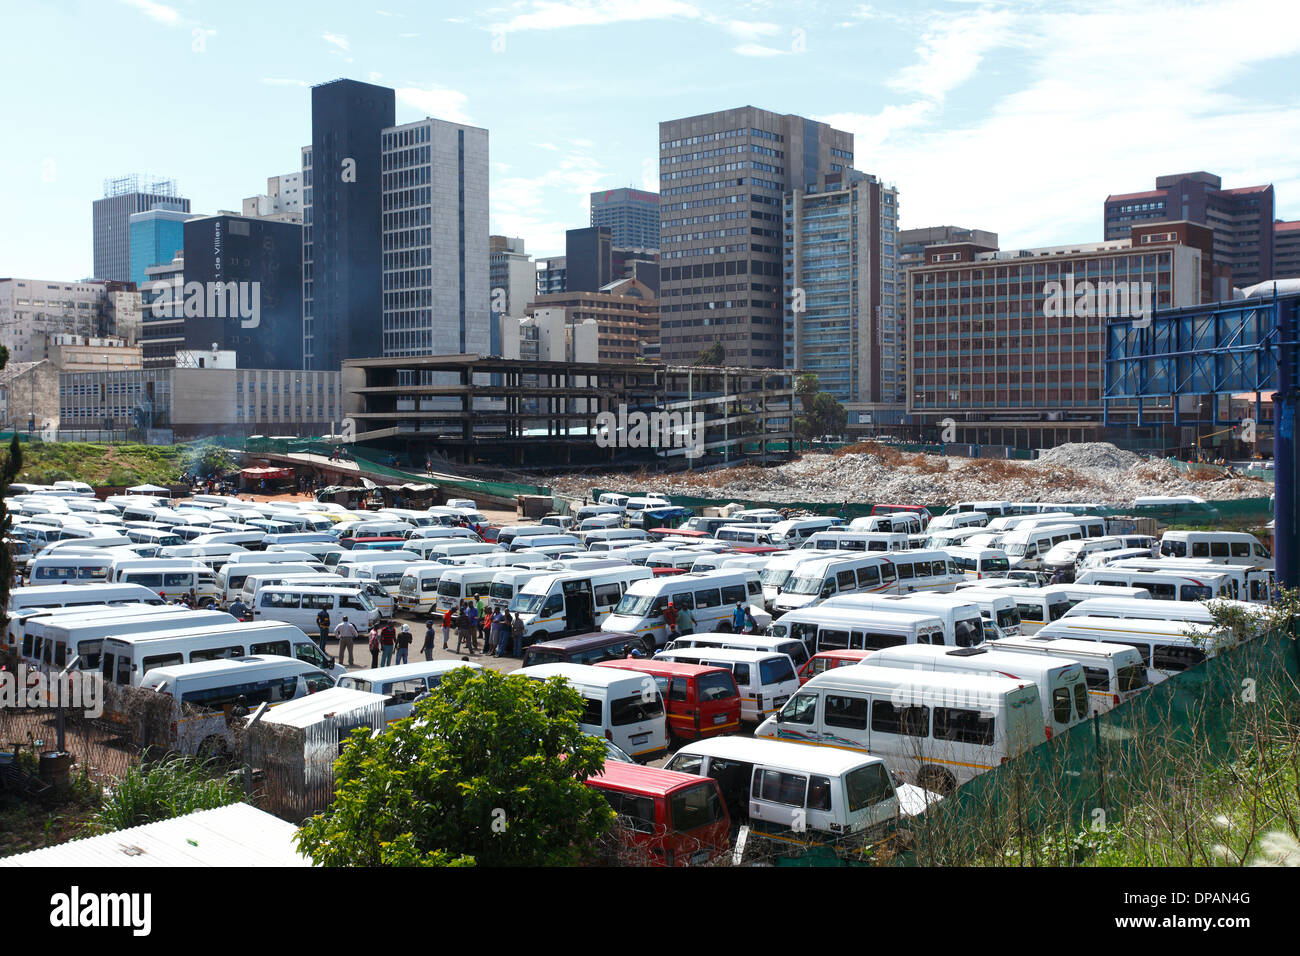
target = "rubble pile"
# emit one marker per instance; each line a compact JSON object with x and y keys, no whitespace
{"x":1095,"y":472}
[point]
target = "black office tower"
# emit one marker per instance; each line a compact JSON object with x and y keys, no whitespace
{"x":259,"y":317}
{"x":590,"y":255}
{"x":342,"y":223}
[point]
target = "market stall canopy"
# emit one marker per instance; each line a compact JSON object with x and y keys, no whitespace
{"x":270,"y":474}
{"x":148,"y":490}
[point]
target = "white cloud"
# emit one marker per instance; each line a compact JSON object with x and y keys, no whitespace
{"x":541,"y":208}
{"x":560,"y":14}
{"x":160,"y":12}
{"x":337,"y":40}
{"x":436,"y":101}
{"x":1096,"y":108}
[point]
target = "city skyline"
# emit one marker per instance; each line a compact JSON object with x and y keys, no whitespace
{"x":936,"y":103}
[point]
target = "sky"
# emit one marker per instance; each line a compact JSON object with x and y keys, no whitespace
{"x":1016,"y":117}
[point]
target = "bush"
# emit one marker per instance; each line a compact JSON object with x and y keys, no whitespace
{"x":171,"y":788}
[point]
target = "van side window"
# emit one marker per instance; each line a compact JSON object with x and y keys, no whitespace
{"x":1218,"y":549}
{"x":160,"y":660}
{"x":846,"y":712}
{"x":887,"y":573}
{"x":905,"y":570}
{"x":1172,"y":657}
{"x":710,"y":597}
{"x":676,"y":690}
{"x":874,"y":642}
{"x":784,"y":788}
{"x":970,"y":727}
{"x":908,"y":721}
{"x":868,"y":577}
{"x":1240,"y":549}
{"x":832,"y":640}
{"x":216,"y":653}
{"x":733,"y":594}
{"x":753,"y":587}
{"x":593,"y":712}
{"x":819,"y":793}
{"x":1142,"y":648}
{"x":636,"y":812}
{"x":867,"y":786}
{"x":1097,"y":678}
{"x":405,"y":691}
{"x":278,"y":648}
{"x":607,"y":594}
{"x":1200,"y":549}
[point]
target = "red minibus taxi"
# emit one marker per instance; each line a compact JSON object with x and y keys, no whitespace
{"x":667,"y":818}
{"x":702,"y":700}
{"x":824,"y":661}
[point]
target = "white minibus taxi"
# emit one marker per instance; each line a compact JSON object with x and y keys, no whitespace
{"x":898,"y":573}
{"x":779,"y":568}
{"x":379,"y":596}
{"x":68,"y":568}
{"x":839,"y":628}
{"x":126,"y":658}
{"x":232,"y":577}
{"x":622,"y":707}
{"x":711,"y":596}
{"x":573,"y":601}
{"x":54,"y":640}
{"x":856,"y":541}
{"x":955,"y":520}
{"x":1171,"y":585}
{"x":1167,"y":647}
{"x":766,"y":679}
{"x":508,"y":581}
{"x":804,"y":795}
{"x":938,"y":729}
{"x":1062,"y":690}
{"x":1114,"y":673}
{"x":796,"y":650}
{"x":298,"y":604}
{"x":215,"y":687}
{"x":387,"y":574}
{"x":418,"y":591}
{"x":1220,"y":547}
{"x":963,"y":624}
{"x":979,"y":563}
{"x":1148,"y":608}
{"x":468,"y":583}
{"x":402,"y":684}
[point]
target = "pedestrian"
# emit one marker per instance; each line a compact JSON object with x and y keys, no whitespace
{"x":404,"y":640}
{"x":387,"y":643}
{"x":517,"y":635}
{"x":238,"y":609}
{"x":374,"y":646}
{"x":323,"y":626}
{"x":484,"y":621}
{"x":465,"y":631}
{"x":427,"y":649}
{"x":501,"y":624}
{"x":670,"y":621}
{"x":346,"y":633}
{"x":751,"y":625}
{"x":685,"y":623}
{"x":448,"y":617}
{"x":738,"y":618}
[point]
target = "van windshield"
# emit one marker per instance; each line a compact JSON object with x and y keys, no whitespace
{"x":696,"y":807}
{"x":774,"y":577}
{"x":635,"y":605}
{"x":717,"y":686}
{"x":1131,"y":677}
{"x":527,"y":603}
{"x":805,"y":585}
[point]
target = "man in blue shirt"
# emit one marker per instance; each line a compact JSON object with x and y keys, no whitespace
{"x":738,"y":618}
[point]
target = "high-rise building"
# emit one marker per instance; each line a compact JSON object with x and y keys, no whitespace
{"x":260,"y":261}
{"x":111,"y":219}
{"x":156,"y":236}
{"x":842,"y":323}
{"x":1240,"y":218}
{"x":589,"y":259}
{"x":435,"y":240}
{"x":342,"y":264}
{"x":162,"y":312}
{"x":912,"y":242}
{"x":626,"y":314}
{"x":1007,"y":347}
{"x":551,"y":275}
{"x":282,"y":199}
{"x":1286,"y":250}
{"x":632,"y":216}
{"x":723,"y":176}
{"x":512,"y":277}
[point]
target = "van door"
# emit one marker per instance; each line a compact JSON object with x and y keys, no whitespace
{"x":579,"y":612}
{"x":871,"y":802}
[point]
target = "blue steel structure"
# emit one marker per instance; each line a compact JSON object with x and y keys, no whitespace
{"x":1221,"y":348}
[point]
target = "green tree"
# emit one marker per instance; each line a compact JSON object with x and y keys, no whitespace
{"x":487,"y":771}
{"x":714,"y":355}
{"x":822,"y":414}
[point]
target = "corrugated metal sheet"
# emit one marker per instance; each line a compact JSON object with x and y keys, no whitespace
{"x":307,"y":711}
{"x":235,"y":835}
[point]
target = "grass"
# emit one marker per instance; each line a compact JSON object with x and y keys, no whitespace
{"x":160,"y":791}
{"x":105,"y":464}
{"x":28,"y":824}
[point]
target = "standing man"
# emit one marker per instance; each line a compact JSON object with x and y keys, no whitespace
{"x":685,"y":625}
{"x":346,"y":632}
{"x":517,"y":635}
{"x":427,"y":649}
{"x":738,"y":618}
{"x":448,"y":618}
{"x":323,"y":625}
{"x":404,"y":640}
{"x":670,"y":621}
{"x":387,"y":643}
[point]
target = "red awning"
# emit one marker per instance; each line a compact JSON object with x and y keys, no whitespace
{"x":269,"y":473}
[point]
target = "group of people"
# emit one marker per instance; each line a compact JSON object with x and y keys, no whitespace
{"x":501,"y":633}
{"x":679,"y":621}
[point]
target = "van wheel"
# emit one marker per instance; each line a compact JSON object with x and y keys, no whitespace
{"x":936,"y":779}
{"x":207,"y":604}
{"x":213,"y":748}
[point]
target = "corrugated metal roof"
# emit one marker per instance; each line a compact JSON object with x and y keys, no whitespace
{"x":310,"y":710}
{"x":235,"y":835}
